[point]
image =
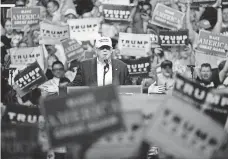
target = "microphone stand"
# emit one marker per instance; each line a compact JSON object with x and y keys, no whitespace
{"x":192,"y":70}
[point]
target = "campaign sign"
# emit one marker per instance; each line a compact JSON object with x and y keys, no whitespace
{"x":52,"y":33}
{"x":117,"y":12}
{"x":84,"y":29}
{"x":18,"y":140}
{"x":83,"y":116}
{"x":24,"y":56}
{"x":167,"y":17}
{"x":211,"y":48}
{"x":24,"y":16}
{"x":73,"y":50}
{"x":213,"y":104}
{"x":183,"y":131}
{"x":134,"y":44}
{"x":17,"y":113}
{"x":212,"y":43}
{"x":29,"y":78}
{"x":138,"y":67}
{"x":173,"y":38}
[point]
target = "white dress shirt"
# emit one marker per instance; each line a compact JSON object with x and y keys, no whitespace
{"x":100,"y":74}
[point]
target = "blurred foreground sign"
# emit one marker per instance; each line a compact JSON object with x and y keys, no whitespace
{"x":18,"y":141}
{"x":82,"y":116}
{"x":183,"y":130}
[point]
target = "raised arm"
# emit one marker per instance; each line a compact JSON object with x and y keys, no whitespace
{"x":189,"y":24}
{"x":218,"y":26}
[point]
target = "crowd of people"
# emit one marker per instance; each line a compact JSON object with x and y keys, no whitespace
{"x":105,"y":65}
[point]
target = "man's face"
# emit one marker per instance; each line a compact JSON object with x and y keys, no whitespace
{"x":70,"y":16}
{"x":225,"y":15}
{"x":104,"y":52}
{"x":8,"y":27}
{"x":58,"y":71}
{"x":206,"y":73}
{"x":167,"y":71}
{"x":51,"y":49}
{"x":185,"y":51}
{"x":51,"y":8}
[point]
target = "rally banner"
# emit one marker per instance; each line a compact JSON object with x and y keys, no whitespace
{"x":165,"y":2}
{"x":73,"y":50}
{"x":121,"y":144}
{"x":16,"y":113}
{"x":84,"y":29}
{"x":82,"y":116}
{"x":52,"y":33}
{"x":167,"y":17}
{"x":212,"y":104}
{"x":24,"y":16}
{"x":116,"y":2}
{"x":173,"y":38}
{"x":117,"y":12}
{"x":138,"y":67}
{"x":24,"y":56}
{"x":134,"y":44}
{"x":211,"y":48}
{"x":18,"y":141}
{"x":29,"y":78}
{"x":184,"y":132}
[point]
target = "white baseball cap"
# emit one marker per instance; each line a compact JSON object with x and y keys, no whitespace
{"x":103,"y":41}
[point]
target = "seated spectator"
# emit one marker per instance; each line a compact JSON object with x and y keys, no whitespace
{"x":211,"y":81}
{"x":91,"y":72}
{"x":52,"y":86}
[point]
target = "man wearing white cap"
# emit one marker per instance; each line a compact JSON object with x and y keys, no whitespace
{"x":102,"y":70}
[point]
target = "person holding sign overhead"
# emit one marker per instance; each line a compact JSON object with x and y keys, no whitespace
{"x":103,"y":69}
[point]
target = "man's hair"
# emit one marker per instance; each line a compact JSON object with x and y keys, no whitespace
{"x":166,"y":63}
{"x":57,"y":62}
{"x":221,"y":65}
{"x":147,"y":4}
{"x":206,"y":65}
{"x":55,"y":3}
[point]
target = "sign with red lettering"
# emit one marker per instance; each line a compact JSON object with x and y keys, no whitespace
{"x":24,"y":16}
{"x":73,"y":50}
{"x":29,"y":78}
{"x":211,"y":48}
{"x":167,"y":17}
{"x":18,"y":141}
{"x":82,"y":116}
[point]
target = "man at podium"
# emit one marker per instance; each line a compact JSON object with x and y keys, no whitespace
{"x":102,"y":70}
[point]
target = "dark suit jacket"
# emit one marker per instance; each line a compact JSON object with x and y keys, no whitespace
{"x":87,"y":73}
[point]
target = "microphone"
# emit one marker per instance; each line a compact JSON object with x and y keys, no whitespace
{"x":106,"y":69}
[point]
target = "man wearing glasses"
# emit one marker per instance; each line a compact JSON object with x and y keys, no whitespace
{"x":102,"y":70}
{"x":51,"y":87}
